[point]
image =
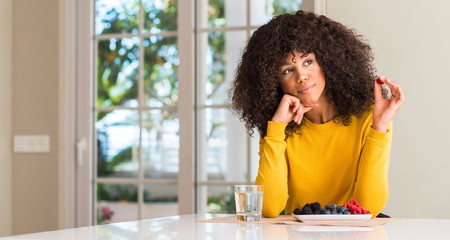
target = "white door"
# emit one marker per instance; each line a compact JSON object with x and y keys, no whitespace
{"x":129,"y":127}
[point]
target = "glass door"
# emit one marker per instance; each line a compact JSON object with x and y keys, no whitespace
{"x":226,"y":154}
{"x":154,"y":135}
{"x":128,"y":99}
{"x":136,"y":120}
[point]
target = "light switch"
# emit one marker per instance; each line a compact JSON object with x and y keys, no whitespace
{"x":31,"y":143}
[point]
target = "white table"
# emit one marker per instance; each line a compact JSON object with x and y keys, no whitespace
{"x":185,"y":227}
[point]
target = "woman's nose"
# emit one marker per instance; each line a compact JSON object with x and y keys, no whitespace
{"x":301,"y":78}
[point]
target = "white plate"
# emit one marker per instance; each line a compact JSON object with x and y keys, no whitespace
{"x":333,"y":217}
{"x":310,"y":228}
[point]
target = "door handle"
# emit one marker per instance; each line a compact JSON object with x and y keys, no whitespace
{"x":81,"y":147}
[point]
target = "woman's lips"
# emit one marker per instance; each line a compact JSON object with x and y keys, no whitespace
{"x":306,"y":89}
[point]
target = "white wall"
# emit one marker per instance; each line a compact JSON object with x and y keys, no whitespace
{"x":411,"y":41}
{"x":5,"y":116}
{"x":35,"y":111}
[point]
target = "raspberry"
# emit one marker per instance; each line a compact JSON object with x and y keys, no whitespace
{"x":354,"y":208}
{"x":379,"y":81}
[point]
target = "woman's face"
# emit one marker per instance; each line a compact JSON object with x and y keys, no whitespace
{"x":302,"y":77}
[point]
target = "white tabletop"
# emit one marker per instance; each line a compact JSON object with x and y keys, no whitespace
{"x":185,"y":227}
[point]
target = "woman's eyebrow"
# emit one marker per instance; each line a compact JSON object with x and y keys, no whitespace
{"x":285,"y":63}
{"x":304,"y":55}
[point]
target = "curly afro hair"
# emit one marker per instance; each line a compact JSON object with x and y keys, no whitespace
{"x":345,"y":59}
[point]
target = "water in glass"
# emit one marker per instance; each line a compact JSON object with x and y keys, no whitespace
{"x":249,"y":204}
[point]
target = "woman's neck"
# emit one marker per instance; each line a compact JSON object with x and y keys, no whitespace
{"x":323,"y":113}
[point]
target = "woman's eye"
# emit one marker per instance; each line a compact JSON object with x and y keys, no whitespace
{"x":289,"y":70}
{"x":308,"y":62}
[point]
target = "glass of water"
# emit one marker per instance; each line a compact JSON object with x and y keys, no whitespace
{"x":249,"y":200}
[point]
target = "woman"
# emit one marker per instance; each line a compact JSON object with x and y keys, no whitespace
{"x":307,"y":84}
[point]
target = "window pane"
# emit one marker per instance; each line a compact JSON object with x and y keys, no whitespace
{"x":160,"y":144}
{"x":226,"y":13}
{"x":159,"y":15}
{"x":161,"y":71}
{"x":221,"y":59}
{"x":224,"y":147}
{"x":160,"y":200}
{"x":262,"y":11}
{"x":116,"y":203}
{"x":218,"y":199}
{"x":116,"y":16}
{"x":117,"y":72}
{"x":117,"y":143}
{"x":282,"y":6}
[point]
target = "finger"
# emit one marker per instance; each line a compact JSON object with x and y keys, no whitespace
{"x":293,"y":101}
{"x":313,"y":105}
{"x":399,"y":96}
{"x":396,"y":90}
{"x":309,"y":107}
{"x":377,"y":90}
{"x":402,"y":94}
{"x":391,"y":84}
{"x":298,"y":115}
{"x":297,"y":106}
{"x":299,"y":121}
{"x":302,"y":110}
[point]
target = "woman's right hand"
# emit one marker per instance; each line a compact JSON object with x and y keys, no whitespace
{"x":291,"y":109}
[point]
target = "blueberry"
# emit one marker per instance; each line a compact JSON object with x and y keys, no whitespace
{"x":341,"y":209}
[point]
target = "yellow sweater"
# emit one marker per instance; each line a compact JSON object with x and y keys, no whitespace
{"x":326,"y":163}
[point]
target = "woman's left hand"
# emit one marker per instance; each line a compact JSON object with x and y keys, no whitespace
{"x":385,"y":109}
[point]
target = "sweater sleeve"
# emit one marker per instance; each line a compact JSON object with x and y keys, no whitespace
{"x":273,"y":170}
{"x":371,"y":187}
